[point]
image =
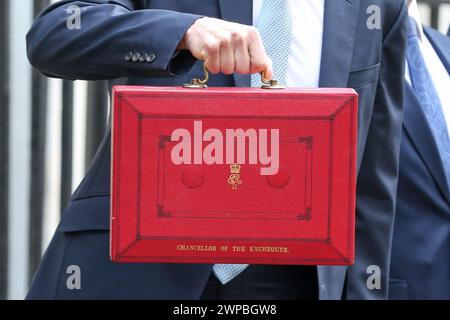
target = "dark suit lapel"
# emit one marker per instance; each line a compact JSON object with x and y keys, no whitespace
{"x":418,"y":129}
{"x":240,"y":11}
{"x":340,"y":24}
{"x":441,"y":45}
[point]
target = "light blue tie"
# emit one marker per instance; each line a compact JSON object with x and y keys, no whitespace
{"x":425,"y":91}
{"x":275,"y":27}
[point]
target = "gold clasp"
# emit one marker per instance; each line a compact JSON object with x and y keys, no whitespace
{"x":271,"y":83}
{"x":197,"y":83}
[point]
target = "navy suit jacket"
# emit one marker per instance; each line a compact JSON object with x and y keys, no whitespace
{"x":421,"y":245}
{"x":371,"y":60}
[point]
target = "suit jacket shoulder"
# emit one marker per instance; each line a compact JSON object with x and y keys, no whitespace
{"x":392,"y":9}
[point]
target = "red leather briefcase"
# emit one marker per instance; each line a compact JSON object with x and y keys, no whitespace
{"x":233,"y":175}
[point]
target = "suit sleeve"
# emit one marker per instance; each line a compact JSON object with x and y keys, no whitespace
{"x":109,"y":33}
{"x":378,"y":175}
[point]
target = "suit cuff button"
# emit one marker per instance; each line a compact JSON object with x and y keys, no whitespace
{"x":129,"y":56}
{"x":150,"y":57}
{"x":136,"y":57}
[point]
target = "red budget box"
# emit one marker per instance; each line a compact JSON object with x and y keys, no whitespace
{"x":233,"y":175}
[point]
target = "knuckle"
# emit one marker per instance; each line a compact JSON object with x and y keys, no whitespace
{"x":224,"y":42}
{"x":236,"y":38}
{"x":213,"y":47}
{"x":252,"y":33}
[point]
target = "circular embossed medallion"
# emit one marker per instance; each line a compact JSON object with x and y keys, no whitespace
{"x":279,"y":180}
{"x":193,"y":177}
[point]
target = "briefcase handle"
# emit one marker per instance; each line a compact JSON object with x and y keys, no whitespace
{"x":198,"y":83}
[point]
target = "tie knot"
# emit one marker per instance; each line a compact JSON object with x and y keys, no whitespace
{"x":412,"y":28}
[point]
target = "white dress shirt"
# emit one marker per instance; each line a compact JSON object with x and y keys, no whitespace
{"x":439,"y":74}
{"x":306,"y":48}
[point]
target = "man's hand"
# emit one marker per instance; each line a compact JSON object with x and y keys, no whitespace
{"x":227,"y":47}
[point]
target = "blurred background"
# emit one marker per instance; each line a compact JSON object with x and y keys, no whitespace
{"x":49,"y":132}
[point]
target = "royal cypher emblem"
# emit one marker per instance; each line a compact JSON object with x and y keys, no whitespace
{"x":235,"y":176}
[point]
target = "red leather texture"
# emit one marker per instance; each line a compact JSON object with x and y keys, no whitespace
{"x":230,"y":212}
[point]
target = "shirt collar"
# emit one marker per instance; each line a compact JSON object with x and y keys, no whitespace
{"x":415,"y":14}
